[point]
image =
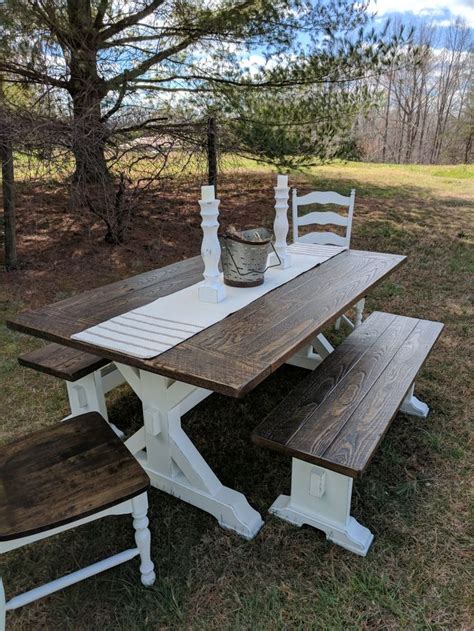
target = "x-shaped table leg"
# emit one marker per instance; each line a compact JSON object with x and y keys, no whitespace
{"x":173,"y":462}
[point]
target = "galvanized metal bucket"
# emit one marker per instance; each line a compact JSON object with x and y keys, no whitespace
{"x":244,"y":256}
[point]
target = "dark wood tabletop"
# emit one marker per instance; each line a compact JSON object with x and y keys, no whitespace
{"x":237,"y":353}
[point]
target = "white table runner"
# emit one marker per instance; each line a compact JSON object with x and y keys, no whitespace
{"x":155,"y":328}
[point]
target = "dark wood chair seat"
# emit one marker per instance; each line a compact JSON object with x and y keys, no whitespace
{"x":62,"y":362}
{"x":338,"y":415}
{"x":63,"y":473}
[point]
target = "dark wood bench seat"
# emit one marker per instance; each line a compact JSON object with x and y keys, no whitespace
{"x":337,"y":416}
{"x":62,"y":362}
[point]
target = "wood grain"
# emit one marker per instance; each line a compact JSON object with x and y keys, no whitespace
{"x":62,"y":362}
{"x":337,"y":416}
{"x":236,"y":354}
{"x":63,"y":473}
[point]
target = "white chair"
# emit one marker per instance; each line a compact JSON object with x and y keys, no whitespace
{"x":61,"y":477}
{"x":324,"y":218}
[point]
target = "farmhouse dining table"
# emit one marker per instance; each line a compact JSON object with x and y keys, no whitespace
{"x":231,"y":357}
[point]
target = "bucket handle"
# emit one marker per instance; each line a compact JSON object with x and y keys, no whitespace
{"x":252,"y":271}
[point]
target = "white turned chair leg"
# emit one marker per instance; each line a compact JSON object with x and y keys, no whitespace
{"x":413,"y":406}
{"x":143,"y":539}
{"x":3,"y":610}
{"x":87,"y":395}
{"x":322,"y":498}
{"x":359,"y":312}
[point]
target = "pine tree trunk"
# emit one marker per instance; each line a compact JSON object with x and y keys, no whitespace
{"x":88,"y":138}
{"x":87,"y":89}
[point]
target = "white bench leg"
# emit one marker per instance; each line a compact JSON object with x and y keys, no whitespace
{"x":305,"y":358}
{"x":359,"y":308}
{"x":143,"y":539}
{"x":322,"y":498}
{"x":413,"y":406}
{"x":87,"y":395}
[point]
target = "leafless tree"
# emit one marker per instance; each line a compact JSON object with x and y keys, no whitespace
{"x":425,"y":112}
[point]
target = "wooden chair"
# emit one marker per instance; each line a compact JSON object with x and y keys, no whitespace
{"x":64,"y":476}
{"x":326,"y":238}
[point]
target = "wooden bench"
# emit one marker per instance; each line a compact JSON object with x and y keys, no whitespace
{"x":334,"y":420}
{"x":88,"y":377}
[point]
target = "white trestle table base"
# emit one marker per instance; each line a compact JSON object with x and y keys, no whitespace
{"x":172,"y":462}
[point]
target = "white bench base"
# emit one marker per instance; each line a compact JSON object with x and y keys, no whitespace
{"x":413,"y":406}
{"x":322,"y":498}
{"x":311,"y":356}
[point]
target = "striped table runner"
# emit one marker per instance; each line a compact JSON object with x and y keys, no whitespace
{"x":155,"y":328}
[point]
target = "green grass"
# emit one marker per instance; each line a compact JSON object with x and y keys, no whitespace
{"x":414,"y":496}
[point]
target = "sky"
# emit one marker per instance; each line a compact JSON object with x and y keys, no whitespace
{"x":440,"y":12}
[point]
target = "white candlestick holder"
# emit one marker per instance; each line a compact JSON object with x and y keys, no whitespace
{"x":212,"y":289}
{"x":281,"y":227}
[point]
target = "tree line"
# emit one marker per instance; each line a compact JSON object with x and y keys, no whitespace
{"x":115,"y":96}
{"x":120,"y":90}
{"x":425,"y":108}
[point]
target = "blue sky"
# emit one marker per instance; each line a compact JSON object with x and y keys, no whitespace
{"x":440,"y":12}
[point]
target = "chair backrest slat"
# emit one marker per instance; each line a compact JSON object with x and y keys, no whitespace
{"x":323,"y":238}
{"x":323,"y":217}
{"x":323,"y":197}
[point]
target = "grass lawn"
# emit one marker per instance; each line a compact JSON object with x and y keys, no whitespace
{"x":414,"y":496}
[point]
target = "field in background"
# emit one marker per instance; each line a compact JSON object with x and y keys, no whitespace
{"x":414,"y":496}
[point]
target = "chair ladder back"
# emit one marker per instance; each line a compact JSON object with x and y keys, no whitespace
{"x":323,"y":217}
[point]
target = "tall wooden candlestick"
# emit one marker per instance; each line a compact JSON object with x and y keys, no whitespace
{"x":212,"y":289}
{"x":280,"y":225}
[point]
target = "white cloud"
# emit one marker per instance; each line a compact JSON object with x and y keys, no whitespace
{"x":432,"y":8}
